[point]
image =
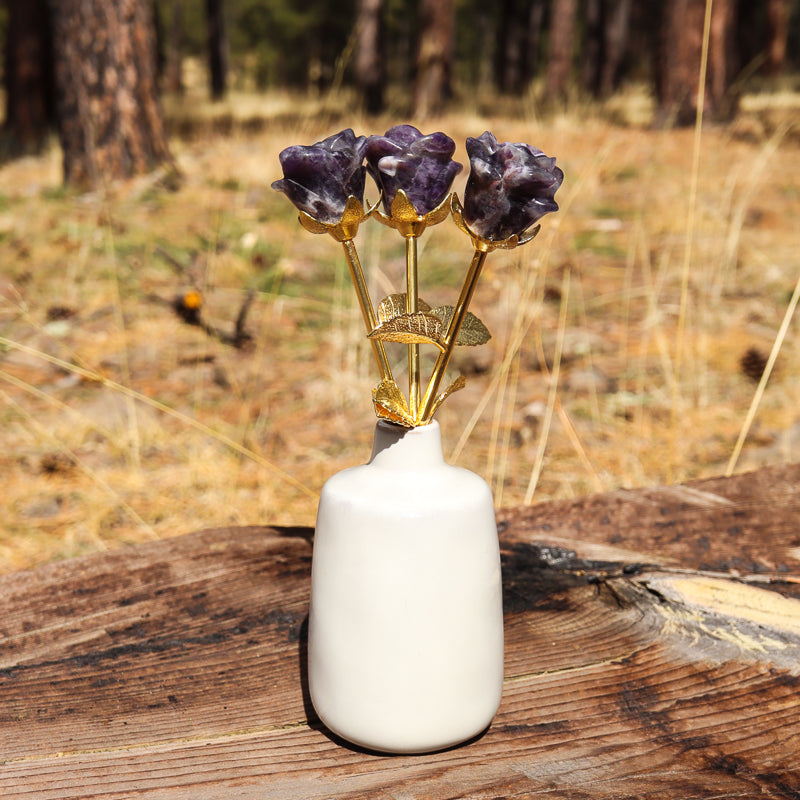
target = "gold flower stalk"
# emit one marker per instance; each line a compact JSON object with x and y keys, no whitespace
{"x":461,"y":307}
{"x":405,"y":219}
{"x":482,"y":248}
{"x":365,"y":303}
{"x":412,"y":306}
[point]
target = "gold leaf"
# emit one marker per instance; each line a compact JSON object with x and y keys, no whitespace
{"x":352,"y":216}
{"x":390,"y":404}
{"x":346,"y":228}
{"x":311,"y":225}
{"x":472,"y":333}
{"x":402,"y":209}
{"x":395,"y":306}
{"x":419,"y":328}
{"x":459,"y":383}
{"x":440,"y":213}
{"x":404,"y":217}
{"x":353,"y":212}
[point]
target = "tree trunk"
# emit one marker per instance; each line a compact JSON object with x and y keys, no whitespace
{"x":434,"y":57}
{"x":680,"y":59}
{"x":720,"y":73}
{"x":109,"y":120}
{"x":778,"y":13}
{"x":28,"y":77}
{"x":217,"y":48}
{"x":593,"y":46}
{"x":369,"y":55}
{"x":615,"y":38}
{"x":562,"y":39}
{"x":512,"y":36}
{"x":681,"y":36}
{"x":534,"y":25}
{"x":175,"y":49}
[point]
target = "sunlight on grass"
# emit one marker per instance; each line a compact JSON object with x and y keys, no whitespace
{"x":120,"y":422}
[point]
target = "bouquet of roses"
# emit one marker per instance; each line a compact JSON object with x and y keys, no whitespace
{"x":509,"y":188}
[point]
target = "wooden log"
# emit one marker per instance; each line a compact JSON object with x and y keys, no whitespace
{"x":652,"y":651}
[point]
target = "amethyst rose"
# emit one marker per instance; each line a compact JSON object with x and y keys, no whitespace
{"x":422,"y":166}
{"x":510,"y":187}
{"x":319,"y":178}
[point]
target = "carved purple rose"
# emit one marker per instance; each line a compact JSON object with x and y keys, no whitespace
{"x":509,"y":188}
{"x":422,"y":166}
{"x":320,"y":177}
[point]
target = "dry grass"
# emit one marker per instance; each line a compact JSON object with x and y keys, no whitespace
{"x":119,"y":422}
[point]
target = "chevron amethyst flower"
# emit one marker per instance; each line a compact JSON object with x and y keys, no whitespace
{"x":320,"y":177}
{"x":510,"y":187}
{"x":421,"y":165}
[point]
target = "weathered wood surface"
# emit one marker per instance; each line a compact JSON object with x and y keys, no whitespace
{"x":653,"y":651}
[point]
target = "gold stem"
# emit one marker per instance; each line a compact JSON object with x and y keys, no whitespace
{"x":412,"y":306}
{"x":460,"y":312}
{"x":367,"y":311}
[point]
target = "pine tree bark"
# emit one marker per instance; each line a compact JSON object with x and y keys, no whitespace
{"x":434,"y":57}
{"x":592,"y":50}
{"x":217,"y":48}
{"x":370,"y":72}
{"x":778,"y":13}
{"x":678,"y":70}
{"x":681,"y":39}
{"x":615,"y":38}
{"x":174,"y":77}
{"x":109,"y":120}
{"x":720,"y":73}
{"x":510,"y":51}
{"x":534,"y":26}
{"x":28,"y":77}
{"x":562,"y":40}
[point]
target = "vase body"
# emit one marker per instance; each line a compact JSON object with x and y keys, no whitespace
{"x":405,"y":638}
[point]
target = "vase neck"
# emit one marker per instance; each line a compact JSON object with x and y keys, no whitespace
{"x":396,"y":447}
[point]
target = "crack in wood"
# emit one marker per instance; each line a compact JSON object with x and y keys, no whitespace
{"x":162,"y":744}
{"x":576,"y":668}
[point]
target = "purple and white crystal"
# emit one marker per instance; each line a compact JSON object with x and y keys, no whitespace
{"x":421,"y":165}
{"x":320,"y":177}
{"x":510,"y":187}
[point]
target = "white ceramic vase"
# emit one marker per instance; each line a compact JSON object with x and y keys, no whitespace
{"x":405,"y":638}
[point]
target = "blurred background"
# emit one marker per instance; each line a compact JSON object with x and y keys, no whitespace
{"x":177,"y":353}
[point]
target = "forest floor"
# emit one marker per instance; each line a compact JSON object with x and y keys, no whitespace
{"x":628,"y":338}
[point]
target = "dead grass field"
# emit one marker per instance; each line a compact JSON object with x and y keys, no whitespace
{"x":119,"y":422}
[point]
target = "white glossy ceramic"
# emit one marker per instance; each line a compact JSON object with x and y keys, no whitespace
{"x":405,"y":649}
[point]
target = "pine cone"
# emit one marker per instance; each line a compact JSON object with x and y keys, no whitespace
{"x":753,"y":363}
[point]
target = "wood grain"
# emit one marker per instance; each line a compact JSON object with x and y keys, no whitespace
{"x":652,"y":651}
